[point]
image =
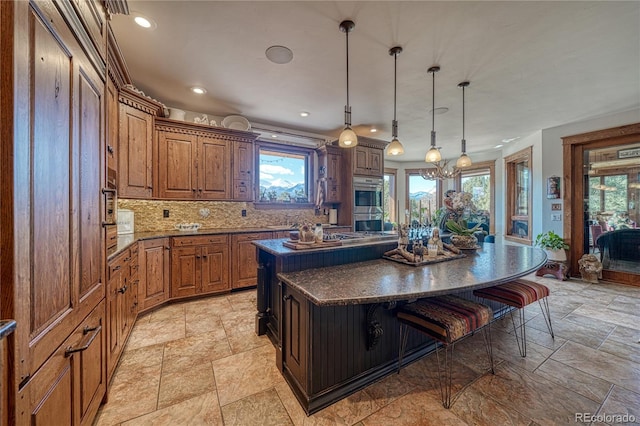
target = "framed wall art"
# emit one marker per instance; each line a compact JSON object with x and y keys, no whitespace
{"x":553,"y":187}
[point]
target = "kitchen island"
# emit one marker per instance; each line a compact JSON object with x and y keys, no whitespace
{"x":330,"y":312}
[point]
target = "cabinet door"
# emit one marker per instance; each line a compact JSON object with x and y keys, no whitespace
{"x":69,"y":387}
{"x":361,"y":155}
{"x":135,"y":153}
{"x":375,"y":162}
{"x":153,"y":258}
{"x":112,"y":109}
{"x":214,"y":268}
{"x":244,"y":259}
{"x":58,"y":164}
{"x":114,"y":308}
{"x":214,"y":174}
{"x":177,"y":165}
{"x":334,"y":168}
{"x":185,"y":273}
{"x":242,"y":160}
{"x":295,"y":330}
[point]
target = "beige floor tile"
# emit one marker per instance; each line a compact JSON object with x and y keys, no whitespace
{"x":202,"y":322}
{"x":475,"y":409}
{"x":240,"y":375}
{"x":215,"y":305}
{"x":141,"y":357}
{"x":389,"y":389}
{"x":263,"y":408}
{"x":185,"y":384}
{"x":244,"y":339}
{"x":614,"y":317}
{"x":199,"y":411}
{"x":608,"y":367}
{"x":587,"y":385}
{"x":153,"y":333}
{"x":626,"y":304}
{"x":572,"y":328}
{"x":238,"y":320}
{"x":204,"y":347}
{"x":622,"y":401}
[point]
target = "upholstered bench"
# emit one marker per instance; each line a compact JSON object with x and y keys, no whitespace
{"x":446,"y":319}
{"x":518,"y":294}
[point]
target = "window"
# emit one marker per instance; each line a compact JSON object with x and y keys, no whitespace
{"x":423,"y":198}
{"x":479,"y":180}
{"x":518,"y":197}
{"x":390,"y":196}
{"x":284,"y":174}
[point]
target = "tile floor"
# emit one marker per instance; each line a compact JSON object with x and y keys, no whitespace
{"x":200,"y":363}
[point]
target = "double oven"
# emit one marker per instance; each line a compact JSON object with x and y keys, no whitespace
{"x":368,"y":204}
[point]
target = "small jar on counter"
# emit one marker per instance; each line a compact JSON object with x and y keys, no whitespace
{"x":318,"y":232}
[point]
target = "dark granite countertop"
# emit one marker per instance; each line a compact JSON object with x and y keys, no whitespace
{"x":6,"y":327}
{"x":126,"y":240}
{"x":384,"y":280}
{"x":275,"y":246}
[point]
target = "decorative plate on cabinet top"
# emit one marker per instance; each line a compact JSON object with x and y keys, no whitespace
{"x":188,"y":226}
{"x":236,"y":122}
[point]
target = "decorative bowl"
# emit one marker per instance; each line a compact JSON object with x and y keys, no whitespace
{"x":188,"y":226}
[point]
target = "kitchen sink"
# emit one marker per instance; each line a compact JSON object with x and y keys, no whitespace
{"x":280,"y":227}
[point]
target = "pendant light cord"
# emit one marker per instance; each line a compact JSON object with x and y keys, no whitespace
{"x":462,"y":112}
{"x":433,"y":101}
{"x":395,"y":84}
{"x":347,"y":36}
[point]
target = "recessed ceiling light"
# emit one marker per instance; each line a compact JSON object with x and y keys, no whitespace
{"x":498,"y":146}
{"x":507,"y":140}
{"x":274,"y":136}
{"x":440,"y":110}
{"x":198,"y":90}
{"x":144,"y":21}
{"x":304,"y":114}
{"x":373,"y":130}
{"x":279,"y":54}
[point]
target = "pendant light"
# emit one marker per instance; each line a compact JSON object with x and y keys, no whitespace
{"x":348,"y":138}
{"x":433,"y":155}
{"x":464,"y":160}
{"x":395,"y":147}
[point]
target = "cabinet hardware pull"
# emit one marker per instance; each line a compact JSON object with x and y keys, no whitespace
{"x":193,"y":189}
{"x":96,"y":330}
{"x":286,"y":297}
{"x":105,"y":224}
{"x":108,"y":191}
{"x":109,"y":149}
{"x":117,"y":268}
{"x":197,"y":257}
{"x":167,"y":248}
{"x":126,"y":259}
{"x":122,"y":290}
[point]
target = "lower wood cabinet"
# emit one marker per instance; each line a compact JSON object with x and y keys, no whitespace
{"x":295,"y":324}
{"x":245,"y":263}
{"x":70,"y":385}
{"x":199,"y":265}
{"x":153,"y":258}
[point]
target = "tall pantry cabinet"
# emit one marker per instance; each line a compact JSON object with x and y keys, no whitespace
{"x":53,"y":241}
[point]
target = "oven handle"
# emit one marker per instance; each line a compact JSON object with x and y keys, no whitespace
{"x":109,"y":193}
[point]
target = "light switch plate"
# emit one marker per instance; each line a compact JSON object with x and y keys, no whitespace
{"x":556,"y":217}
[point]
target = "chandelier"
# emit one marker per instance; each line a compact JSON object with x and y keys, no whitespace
{"x":439,"y":171}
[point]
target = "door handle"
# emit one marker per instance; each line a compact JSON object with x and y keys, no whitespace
{"x":96,"y":330}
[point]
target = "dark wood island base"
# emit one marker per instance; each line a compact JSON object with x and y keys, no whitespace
{"x":330,"y":313}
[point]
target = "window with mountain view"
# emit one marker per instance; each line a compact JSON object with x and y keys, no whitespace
{"x":422,"y":198}
{"x":284,"y":174}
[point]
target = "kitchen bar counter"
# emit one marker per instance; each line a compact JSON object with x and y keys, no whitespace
{"x":383,"y":280}
{"x":330,"y":312}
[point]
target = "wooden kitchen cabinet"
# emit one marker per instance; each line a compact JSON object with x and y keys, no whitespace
{"x":203,"y":162}
{"x":199,"y":265}
{"x":153,"y":258}
{"x":368,"y":161}
{"x":121,"y":302}
{"x":135,"y":139}
{"x":244,"y":258}
{"x":331,"y":164}
{"x":295,"y":325}
{"x":243,"y":171}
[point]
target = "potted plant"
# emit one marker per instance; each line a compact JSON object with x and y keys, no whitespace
{"x":273,"y":196}
{"x":553,"y":244}
{"x":463,"y":236}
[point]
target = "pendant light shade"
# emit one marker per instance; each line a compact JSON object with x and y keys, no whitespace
{"x":395,"y":147}
{"x":433,"y":155}
{"x":464,"y":160}
{"x":348,"y":138}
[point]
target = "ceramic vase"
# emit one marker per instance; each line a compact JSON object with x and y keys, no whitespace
{"x":464,"y":241}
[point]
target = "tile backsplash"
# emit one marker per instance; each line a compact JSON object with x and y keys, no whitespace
{"x":149,"y":214}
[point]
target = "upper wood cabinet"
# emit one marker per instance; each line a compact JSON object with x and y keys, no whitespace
{"x":331,"y":164}
{"x":368,"y":160}
{"x":202,"y":162}
{"x":135,"y":150}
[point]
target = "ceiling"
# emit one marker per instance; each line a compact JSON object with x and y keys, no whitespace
{"x":532,"y":65}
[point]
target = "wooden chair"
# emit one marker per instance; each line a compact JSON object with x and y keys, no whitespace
{"x":596,"y":231}
{"x":446,"y":319}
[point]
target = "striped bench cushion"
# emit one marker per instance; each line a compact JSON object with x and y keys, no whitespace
{"x":517,"y":293}
{"x":445,"y":318}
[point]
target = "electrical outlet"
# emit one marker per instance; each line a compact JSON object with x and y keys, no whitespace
{"x":244,"y":213}
{"x":165,"y":213}
{"x":556,"y":217}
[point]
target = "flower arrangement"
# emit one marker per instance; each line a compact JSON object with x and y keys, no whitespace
{"x":462,"y":201}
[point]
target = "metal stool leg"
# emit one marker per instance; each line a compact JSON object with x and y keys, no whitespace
{"x":522,"y":338}
{"x":445,"y":377}
{"x":486,"y":336}
{"x":546,"y":314}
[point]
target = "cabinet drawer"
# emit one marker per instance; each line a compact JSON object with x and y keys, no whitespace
{"x":254,"y":236}
{"x":200,"y":240}
{"x":118,"y":263}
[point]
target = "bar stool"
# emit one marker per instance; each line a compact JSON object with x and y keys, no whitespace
{"x":446,"y":319}
{"x":518,"y":294}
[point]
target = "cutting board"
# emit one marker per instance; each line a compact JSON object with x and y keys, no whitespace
{"x":296,"y":245}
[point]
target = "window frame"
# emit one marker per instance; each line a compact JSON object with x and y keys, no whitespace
{"x":510,"y":164}
{"x":393,"y":194}
{"x":416,"y":172}
{"x":310,"y":153}
{"x":476,"y":167}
